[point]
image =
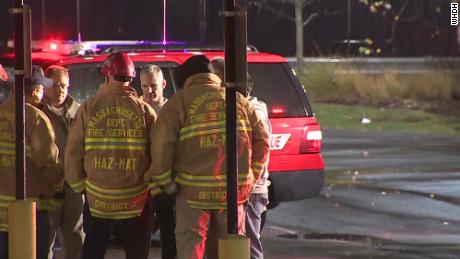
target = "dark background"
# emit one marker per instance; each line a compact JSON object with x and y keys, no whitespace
{"x":424,"y":29}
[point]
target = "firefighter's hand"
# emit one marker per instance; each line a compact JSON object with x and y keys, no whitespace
{"x":172,"y":188}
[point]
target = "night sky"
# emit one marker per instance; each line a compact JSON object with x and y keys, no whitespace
{"x":427,"y":32}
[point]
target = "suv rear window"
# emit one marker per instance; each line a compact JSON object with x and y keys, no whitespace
{"x":277,"y":86}
{"x":85,"y":79}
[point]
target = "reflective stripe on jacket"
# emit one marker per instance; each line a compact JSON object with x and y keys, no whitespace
{"x":188,"y":144}
{"x":107,"y":152}
{"x":41,"y":158}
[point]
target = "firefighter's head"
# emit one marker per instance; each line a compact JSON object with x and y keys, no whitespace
{"x":218,"y":66}
{"x":34,"y":88}
{"x":194,"y":65}
{"x":119,"y":67}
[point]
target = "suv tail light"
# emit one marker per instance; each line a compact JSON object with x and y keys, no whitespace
{"x":312,"y":140}
{"x":277,"y":111}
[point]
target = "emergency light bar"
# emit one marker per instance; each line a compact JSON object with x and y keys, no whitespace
{"x":83,"y":48}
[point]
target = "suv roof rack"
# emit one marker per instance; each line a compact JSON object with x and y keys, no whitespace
{"x":87,"y":48}
{"x":170,"y":46}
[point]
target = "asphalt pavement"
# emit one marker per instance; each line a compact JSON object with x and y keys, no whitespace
{"x":387,"y":195}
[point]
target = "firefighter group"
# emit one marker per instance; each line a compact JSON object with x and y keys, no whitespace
{"x":128,"y":164}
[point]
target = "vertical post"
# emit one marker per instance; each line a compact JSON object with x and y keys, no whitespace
{"x":203,"y":20}
{"x":164,"y":23}
{"x":21,"y":213}
{"x":348,"y":27}
{"x":235,"y":80}
{"x":230,"y":113}
{"x":78,"y":21}
{"x":43,"y":19}
{"x":27,"y":32}
{"x":299,"y":32}
{"x":233,"y":246}
{"x":19,"y":72}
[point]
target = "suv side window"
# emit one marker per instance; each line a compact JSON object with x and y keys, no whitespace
{"x":85,"y":79}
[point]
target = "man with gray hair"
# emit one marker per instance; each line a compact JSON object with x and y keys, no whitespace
{"x":152,"y":85}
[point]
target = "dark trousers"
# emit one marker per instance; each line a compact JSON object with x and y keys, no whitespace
{"x":42,"y":233}
{"x":163,"y":205}
{"x":135,"y":234}
{"x":3,"y":245}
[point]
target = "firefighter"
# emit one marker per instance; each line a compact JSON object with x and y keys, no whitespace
{"x":42,"y":162}
{"x":153,"y":84}
{"x":188,"y":148}
{"x":258,"y":200}
{"x":67,"y":220}
{"x":107,"y":157}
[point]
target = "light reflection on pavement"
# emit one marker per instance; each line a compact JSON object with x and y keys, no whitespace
{"x":401,"y":191}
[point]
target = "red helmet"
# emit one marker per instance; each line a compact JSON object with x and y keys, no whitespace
{"x":118,"y":65}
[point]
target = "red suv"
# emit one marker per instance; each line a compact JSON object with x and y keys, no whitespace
{"x":296,"y":165}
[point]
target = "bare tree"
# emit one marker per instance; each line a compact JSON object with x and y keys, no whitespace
{"x":403,"y":24}
{"x":407,"y":11}
{"x":298,"y":19}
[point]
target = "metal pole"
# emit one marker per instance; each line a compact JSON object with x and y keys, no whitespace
{"x":19,"y":72}
{"x":164,"y":23}
{"x":22,"y":212}
{"x":43,"y":18}
{"x":230,"y":112}
{"x":299,"y":32}
{"x":27,"y":32}
{"x":235,"y":79}
{"x":203,"y":21}
{"x":349,"y":28}
{"x":78,"y":21}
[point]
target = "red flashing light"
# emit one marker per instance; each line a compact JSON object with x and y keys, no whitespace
{"x":277,"y":110}
{"x":53,"y":46}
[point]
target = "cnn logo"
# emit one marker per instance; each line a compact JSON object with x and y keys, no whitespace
{"x":454,"y":14}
